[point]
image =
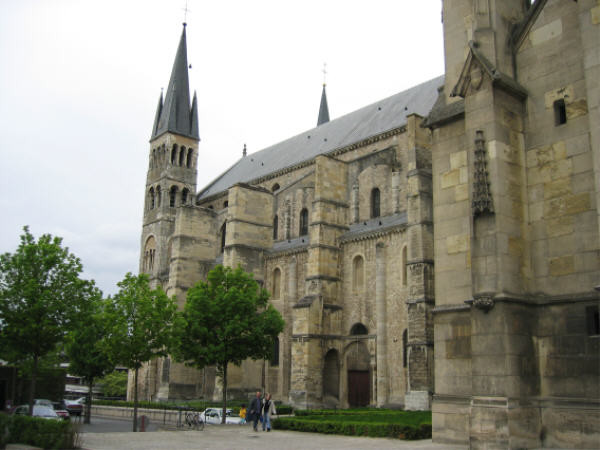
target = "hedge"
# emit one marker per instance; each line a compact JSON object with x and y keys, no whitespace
{"x":374,"y":423}
{"x":193,"y":405}
{"x":38,"y":432}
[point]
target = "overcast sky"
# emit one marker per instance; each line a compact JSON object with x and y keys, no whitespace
{"x":80,"y":80}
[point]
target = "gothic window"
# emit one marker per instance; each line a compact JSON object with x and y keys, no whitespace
{"x":275,"y":357}
{"x":223,"y":232}
{"x":158,"y":196}
{"x":303,"y":222}
{"x":173,"y":196}
{"x":275,"y":226}
{"x":404,"y":347}
{"x":404,"y":271}
{"x":188,"y":163}
{"x":358,"y":273}
{"x":375,"y":203}
{"x":151,"y":198}
{"x":560,"y":112}
{"x":174,"y":154}
{"x":184,"y":196}
{"x":149,"y":254}
{"x":358,"y":329}
{"x":181,"y":156}
{"x":276,"y":283}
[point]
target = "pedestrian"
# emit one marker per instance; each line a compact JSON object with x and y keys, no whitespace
{"x":255,"y":410}
{"x":243,"y":413}
{"x":268,"y":409}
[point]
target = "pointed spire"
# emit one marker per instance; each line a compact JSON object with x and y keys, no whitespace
{"x":194,"y":118}
{"x":323,"y":109}
{"x":158,"y":112}
{"x":175,"y":114}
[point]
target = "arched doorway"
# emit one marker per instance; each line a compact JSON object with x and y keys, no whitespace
{"x":358,"y":365}
{"x":331,"y":376}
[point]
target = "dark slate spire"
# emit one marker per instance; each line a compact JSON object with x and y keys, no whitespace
{"x":323,"y":109}
{"x":174,"y":114}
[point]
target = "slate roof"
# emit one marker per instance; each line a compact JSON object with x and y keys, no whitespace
{"x":377,"y":118}
{"x":175,"y":114}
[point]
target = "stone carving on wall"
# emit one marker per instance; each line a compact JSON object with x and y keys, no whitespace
{"x":484,"y":303}
{"x":482,"y":197}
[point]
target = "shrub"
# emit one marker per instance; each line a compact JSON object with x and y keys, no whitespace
{"x":47,"y":434}
{"x":365,"y":422}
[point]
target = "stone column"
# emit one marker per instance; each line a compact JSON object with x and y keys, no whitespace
{"x":355,"y":203}
{"x":292,"y":297}
{"x":382,"y":387}
{"x":396,"y":191}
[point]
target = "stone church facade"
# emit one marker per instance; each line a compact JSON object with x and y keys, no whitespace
{"x":437,"y":249}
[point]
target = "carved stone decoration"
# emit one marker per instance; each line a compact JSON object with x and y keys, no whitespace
{"x":482,"y":197}
{"x":484,"y":303}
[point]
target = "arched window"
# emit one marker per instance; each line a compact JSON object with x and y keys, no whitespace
{"x":276,"y":283}
{"x":172,"y":196}
{"x":174,"y":154}
{"x":184,"y":196}
{"x":188,"y":163}
{"x":358,"y":273}
{"x":158,"y":196}
{"x":331,"y":374}
{"x":404,"y":347}
{"x":181,"y":156}
{"x":275,"y":227}
{"x":303,"y":222}
{"x":149,"y":254}
{"x":358,"y":329}
{"x":375,"y":203}
{"x":404,"y":271}
{"x":226,"y":204}
{"x":223,"y":232}
{"x":275,"y":357}
{"x":151,"y":198}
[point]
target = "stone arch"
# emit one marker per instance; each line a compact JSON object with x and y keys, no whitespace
{"x":173,"y":196}
{"x":331,"y":375}
{"x":158,"y":196}
{"x":174,"y":154}
{"x":275,"y":227}
{"x":190,"y":153}
{"x":181,"y":156}
{"x":303,"y":229}
{"x":223,"y":236}
{"x":185,"y":192}
{"x":358,"y":329}
{"x":149,"y":254}
{"x":358,"y":370}
{"x":151,"y":198}
{"x":358,"y":273}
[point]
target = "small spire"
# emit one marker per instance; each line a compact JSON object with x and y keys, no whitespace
{"x":244,"y":151}
{"x":323,"y":109}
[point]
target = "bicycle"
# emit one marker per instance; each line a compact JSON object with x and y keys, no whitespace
{"x":193,"y":421}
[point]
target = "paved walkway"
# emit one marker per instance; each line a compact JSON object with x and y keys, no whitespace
{"x":242,"y":437}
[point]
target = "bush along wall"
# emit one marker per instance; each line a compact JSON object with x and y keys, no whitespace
{"x":377,"y":423}
{"x":47,"y":434}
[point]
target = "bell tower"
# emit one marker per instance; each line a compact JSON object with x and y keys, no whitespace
{"x":172,"y":169}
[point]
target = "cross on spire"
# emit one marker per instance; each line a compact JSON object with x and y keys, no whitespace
{"x":185,"y":11}
{"x":324,"y":73}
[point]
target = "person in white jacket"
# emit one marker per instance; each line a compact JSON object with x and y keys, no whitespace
{"x":267,"y":410}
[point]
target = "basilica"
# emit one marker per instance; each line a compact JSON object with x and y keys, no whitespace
{"x":436,"y":250}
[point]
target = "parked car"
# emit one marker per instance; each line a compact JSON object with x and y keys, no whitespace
{"x":42,"y":411}
{"x":43,"y":402}
{"x":214,"y":415}
{"x":75,"y":407}
{"x":61,"y":410}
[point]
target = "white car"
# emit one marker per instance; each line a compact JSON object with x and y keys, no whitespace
{"x":214,"y":415}
{"x":42,"y":411}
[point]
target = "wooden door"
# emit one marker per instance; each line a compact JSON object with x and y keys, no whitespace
{"x":358,"y":388}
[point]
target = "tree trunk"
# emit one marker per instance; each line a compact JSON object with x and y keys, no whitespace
{"x":32,"y":385}
{"x":88,"y":404}
{"x":135,"y":399}
{"x":224,"y":417}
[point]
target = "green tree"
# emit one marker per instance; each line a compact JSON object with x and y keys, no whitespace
{"x":226,"y":319}
{"x":86,"y":349}
{"x":114,"y":384}
{"x":140,"y":321}
{"x":41,"y":298}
